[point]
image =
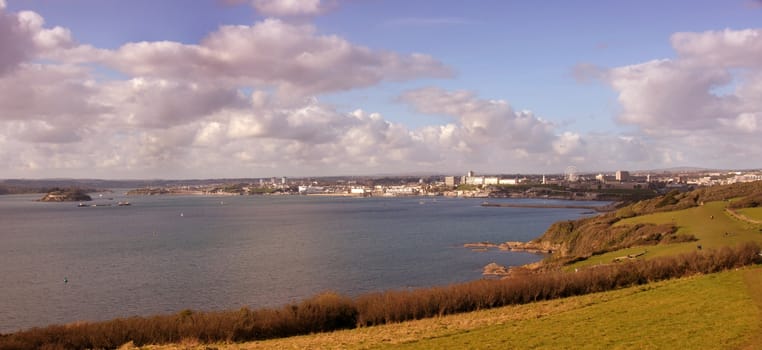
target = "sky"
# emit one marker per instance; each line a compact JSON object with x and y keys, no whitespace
{"x":179,"y":89}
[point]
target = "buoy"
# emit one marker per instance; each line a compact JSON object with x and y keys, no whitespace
{"x":181,"y":214}
{"x":66,"y":280}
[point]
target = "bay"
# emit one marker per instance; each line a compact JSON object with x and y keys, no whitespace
{"x":60,"y":263}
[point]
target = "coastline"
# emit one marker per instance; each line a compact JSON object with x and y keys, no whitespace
{"x":606,"y":208}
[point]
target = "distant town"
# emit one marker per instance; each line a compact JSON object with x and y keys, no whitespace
{"x":618,"y":185}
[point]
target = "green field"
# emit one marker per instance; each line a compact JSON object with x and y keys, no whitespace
{"x":722,"y":310}
{"x":710,"y":223}
{"x":752,"y":213}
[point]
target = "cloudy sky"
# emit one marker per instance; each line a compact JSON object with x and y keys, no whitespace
{"x":258,"y":88}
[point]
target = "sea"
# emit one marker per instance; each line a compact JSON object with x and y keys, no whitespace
{"x":60,"y":263}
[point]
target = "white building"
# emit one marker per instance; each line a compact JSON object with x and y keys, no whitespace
{"x":508,"y":181}
{"x":491,"y":180}
{"x":401,"y":191}
{"x":359,"y":191}
{"x":311,"y":189}
{"x":622,"y":176}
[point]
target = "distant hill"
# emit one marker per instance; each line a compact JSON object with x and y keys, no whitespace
{"x":682,"y":169}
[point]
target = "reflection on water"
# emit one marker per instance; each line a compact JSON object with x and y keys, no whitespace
{"x":167,"y":253}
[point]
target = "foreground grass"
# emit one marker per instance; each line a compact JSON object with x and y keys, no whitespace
{"x":722,"y":310}
{"x":710,"y":224}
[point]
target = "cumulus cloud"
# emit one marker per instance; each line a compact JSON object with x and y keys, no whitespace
{"x":157,"y":103}
{"x":182,"y":108}
{"x":484,"y":121}
{"x":667,"y":94}
{"x":291,"y":57}
{"x":701,"y":104}
{"x":48,"y":92}
{"x":682,"y":94}
{"x":18,"y":45}
{"x":241,"y":102}
{"x":24,"y":37}
{"x":727,"y":48}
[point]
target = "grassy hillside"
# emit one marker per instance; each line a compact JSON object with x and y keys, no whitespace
{"x":712,"y":226}
{"x":669,"y":224}
{"x":722,"y":310}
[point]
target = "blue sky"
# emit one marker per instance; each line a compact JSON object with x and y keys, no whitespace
{"x":391,"y":86}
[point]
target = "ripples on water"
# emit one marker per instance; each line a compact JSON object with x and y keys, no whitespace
{"x":168,"y":253}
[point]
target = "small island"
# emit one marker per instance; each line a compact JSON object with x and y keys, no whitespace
{"x":66,"y":195}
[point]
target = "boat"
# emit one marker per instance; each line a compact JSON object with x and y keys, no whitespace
{"x":82,"y":205}
{"x":123,"y":204}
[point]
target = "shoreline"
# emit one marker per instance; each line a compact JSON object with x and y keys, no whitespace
{"x":605,"y":208}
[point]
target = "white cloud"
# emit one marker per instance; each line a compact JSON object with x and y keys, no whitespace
{"x":181,"y":110}
{"x":568,"y":143}
{"x":24,"y":37}
{"x":727,"y":48}
{"x":291,"y":57}
{"x":157,"y":103}
{"x":17,"y":45}
{"x":48,"y":92}
{"x":241,"y":102}
{"x":667,"y":94}
{"x":703,"y":107}
{"x":286,"y":8}
{"x":44,"y":39}
{"x":484,"y":122}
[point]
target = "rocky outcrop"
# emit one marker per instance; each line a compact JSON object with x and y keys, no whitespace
{"x":493,"y":269}
{"x":66,"y":196}
{"x":529,"y":247}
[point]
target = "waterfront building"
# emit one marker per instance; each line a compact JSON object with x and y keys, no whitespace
{"x":475,"y":180}
{"x":401,"y":191}
{"x":311,"y":189}
{"x":359,"y":191}
{"x":508,"y":181}
{"x":622,"y":176}
{"x":452,"y":181}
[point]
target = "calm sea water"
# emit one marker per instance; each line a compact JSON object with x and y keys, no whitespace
{"x":164,"y":254}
